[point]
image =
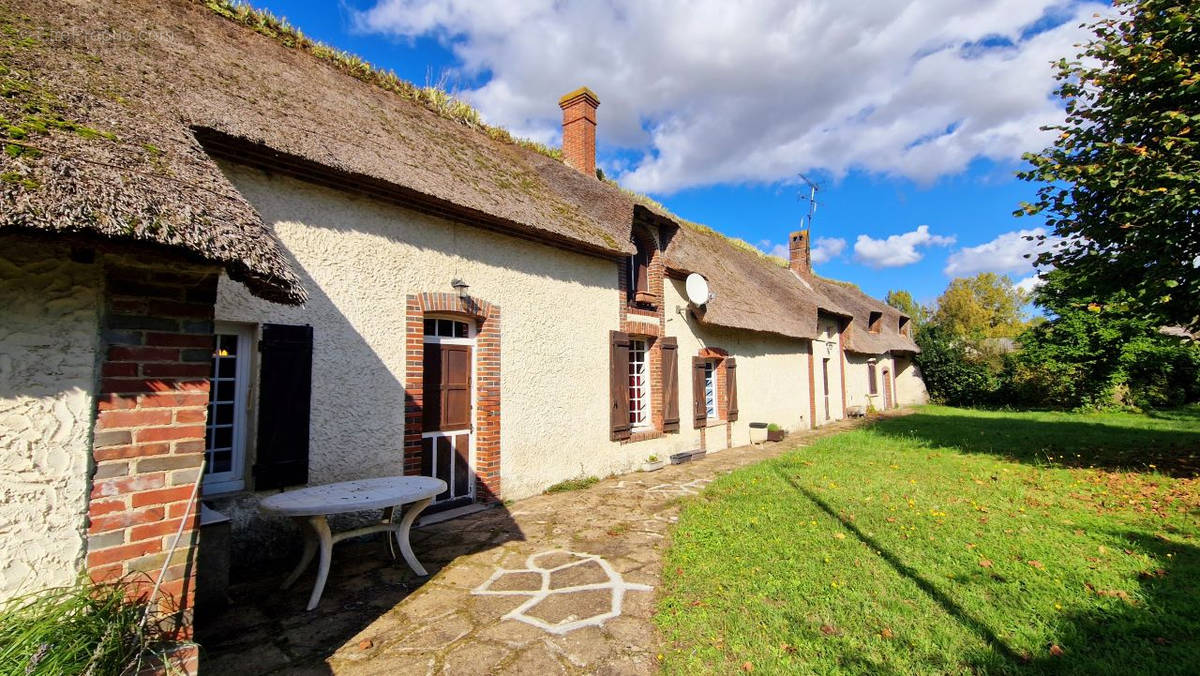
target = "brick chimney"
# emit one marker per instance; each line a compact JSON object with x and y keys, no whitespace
{"x":799,"y":254}
{"x":579,"y":129}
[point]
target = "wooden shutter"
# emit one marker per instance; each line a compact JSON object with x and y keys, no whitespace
{"x":670,"y":384}
{"x":284,"y":395}
{"x":731,"y":411}
{"x":446,"y":393}
{"x":618,"y":385}
{"x":699,"y":410}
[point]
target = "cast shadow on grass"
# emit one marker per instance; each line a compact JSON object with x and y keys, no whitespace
{"x":1067,"y":442}
{"x":1156,"y":631}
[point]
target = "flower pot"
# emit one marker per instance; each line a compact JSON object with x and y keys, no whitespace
{"x":775,"y":435}
{"x":653,"y":466}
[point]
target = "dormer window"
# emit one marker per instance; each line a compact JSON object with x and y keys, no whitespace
{"x":875,"y":323}
{"x":904,"y":326}
{"x":639,"y":273}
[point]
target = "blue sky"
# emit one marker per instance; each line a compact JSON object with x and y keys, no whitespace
{"x":911,"y":117}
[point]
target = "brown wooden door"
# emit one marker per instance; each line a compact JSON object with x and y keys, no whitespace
{"x":448,"y":394}
{"x":887,"y":389}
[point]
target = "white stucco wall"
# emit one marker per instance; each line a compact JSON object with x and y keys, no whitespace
{"x":910,"y":388}
{"x":360,"y":258}
{"x":772,"y":377}
{"x":825,"y":346}
{"x":49,"y":337}
{"x":858,"y":380}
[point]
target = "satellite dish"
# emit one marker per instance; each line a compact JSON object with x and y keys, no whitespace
{"x":696,"y":287}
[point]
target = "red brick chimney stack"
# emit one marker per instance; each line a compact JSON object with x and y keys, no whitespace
{"x":579,"y":129}
{"x":799,"y":254}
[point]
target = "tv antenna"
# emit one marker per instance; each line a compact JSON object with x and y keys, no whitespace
{"x":811,"y":198}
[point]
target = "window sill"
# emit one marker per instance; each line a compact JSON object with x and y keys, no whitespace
{"x":643,"y":435}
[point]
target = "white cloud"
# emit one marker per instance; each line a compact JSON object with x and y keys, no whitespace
{"x":1005,"y":254}
{"x":1029,"y":284}
{"x":827,"y":249}
{"x":712,"y":91}
{"x":896,"y":250}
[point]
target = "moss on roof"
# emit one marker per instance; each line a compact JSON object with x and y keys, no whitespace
{"x":437,"y":100}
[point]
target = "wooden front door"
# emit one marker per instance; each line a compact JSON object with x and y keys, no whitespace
{"x":887,"y":389}
{"x":448,"y":395}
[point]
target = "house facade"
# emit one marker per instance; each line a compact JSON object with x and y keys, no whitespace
{"x":236,"y":295}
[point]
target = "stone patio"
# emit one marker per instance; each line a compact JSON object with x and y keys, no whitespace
{"x":554,"y":584}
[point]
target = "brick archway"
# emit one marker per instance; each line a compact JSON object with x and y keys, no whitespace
{"x":487,"y":384}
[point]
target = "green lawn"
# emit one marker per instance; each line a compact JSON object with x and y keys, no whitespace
{"x":948,"y":541}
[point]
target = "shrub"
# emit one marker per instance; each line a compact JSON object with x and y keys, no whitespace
{"x":84,"y":629}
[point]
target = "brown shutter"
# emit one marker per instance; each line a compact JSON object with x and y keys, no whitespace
{"x":618,"y":385}
{"x":456,"y":386}
{"x":699,"y":410}
{"x":284,"y":395}
{"x":670,"y":384}
{"x":731,"y":412}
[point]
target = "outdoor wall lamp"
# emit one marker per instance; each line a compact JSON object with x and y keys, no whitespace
{"x":460,"y":286}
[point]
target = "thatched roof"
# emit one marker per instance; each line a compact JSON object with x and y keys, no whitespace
{"x":106,"y":98}
{"x":132,"y":99}
{"x":849,"y":301}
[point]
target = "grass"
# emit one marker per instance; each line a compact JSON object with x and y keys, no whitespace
{"x":84,"y":629}
{"x":948,"y":541}
{"x":572,"y":484}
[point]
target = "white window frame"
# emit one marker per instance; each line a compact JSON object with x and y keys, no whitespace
{"x":639,"y":403}
{"x":235,"y":478}
{"x":710,"y":390}
{"x":470,"y":430}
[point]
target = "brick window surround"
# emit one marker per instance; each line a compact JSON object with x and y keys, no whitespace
{"x":487,"y":384}
{"x":717,"y":356}
{"x":649,"y":326}
{"x":148,"y":445}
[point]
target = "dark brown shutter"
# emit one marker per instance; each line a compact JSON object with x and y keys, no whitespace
{"x":618,"y":385}
{"x":731,"y":412}
{"x":284,"y":395}
{"x":456,"y":386}
{"x":699,"y":410}
{"x":642,"y":269}
{"x":670,"y":384}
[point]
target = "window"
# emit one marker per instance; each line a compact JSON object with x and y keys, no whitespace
{"x":710,"y":390}
{"x":446,"y":328}
{"x":904,"y":326}
{"x":225,"y":429}
{"x":639,"y":385}
{"x":639,"y":272}
{"x":872,"y":385}
{"x":873,"y":325}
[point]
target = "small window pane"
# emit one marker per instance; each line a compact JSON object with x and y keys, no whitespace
{"x":222,"y":461}
{"x":223,"y":415}
{"x":431,"y":327}
{"x":223,"y":438}
{"x":227,"y":344}
{"x":445,"y":328}
{"x":460,"y":329}
{"x":225,"y":390}
{"x":226,"y":367}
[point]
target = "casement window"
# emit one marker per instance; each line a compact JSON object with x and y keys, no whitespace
{"x":710,"y":390}
{"x":875,"y":322}
{"x":629,"y":385}
{"x":225,"y":427}
{"x":709,"y":378}
{"x":639,"y":385}
{"x":872,"y":383}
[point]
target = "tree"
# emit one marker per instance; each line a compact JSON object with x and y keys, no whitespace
{"x":903,"y":301}
{"x":1120,"y":179}
{"x":984,"y":306}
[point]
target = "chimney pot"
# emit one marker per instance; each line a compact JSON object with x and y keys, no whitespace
{"x":579,"y":129}
{"x":799,"y":253}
